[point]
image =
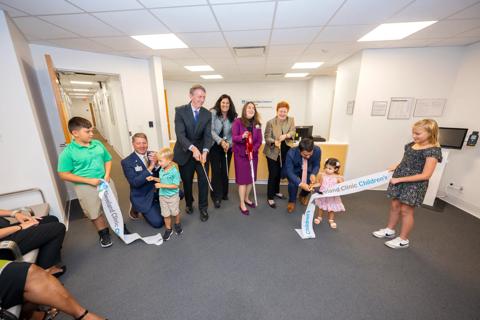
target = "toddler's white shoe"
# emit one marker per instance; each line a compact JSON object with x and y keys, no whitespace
{"x":397,"y":243}
{"x":384,"y":233}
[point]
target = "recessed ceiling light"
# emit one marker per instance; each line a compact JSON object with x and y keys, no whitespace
{"x":395,"y":31}
{"x":307,"y":65}
{"x":81,"y":90}
{"x":199,"y":68}
{"x":211,"y":76}
{"x":161,"y":41}
{"x":81,"y":82}
{"x":296,"y":75}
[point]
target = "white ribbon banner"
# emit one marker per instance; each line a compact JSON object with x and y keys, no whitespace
{"x":115,"y":218}
{"x":351,"y":186}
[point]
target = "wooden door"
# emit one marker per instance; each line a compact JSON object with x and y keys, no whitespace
{"x":62,"y":112}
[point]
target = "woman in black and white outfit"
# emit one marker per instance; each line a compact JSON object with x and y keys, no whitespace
{"x":223,"y":114}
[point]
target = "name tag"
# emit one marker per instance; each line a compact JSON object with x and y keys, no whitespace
{"x":138,"y":168}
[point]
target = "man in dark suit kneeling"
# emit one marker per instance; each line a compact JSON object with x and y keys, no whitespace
{"x":139,"y":165}
{"x":194,"y":138}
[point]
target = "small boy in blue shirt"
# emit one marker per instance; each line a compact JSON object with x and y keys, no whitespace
{"x":168,"y":185}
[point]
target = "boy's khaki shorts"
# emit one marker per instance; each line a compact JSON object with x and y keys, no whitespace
{"x":170,"y":205}
{"x":89,"y":199}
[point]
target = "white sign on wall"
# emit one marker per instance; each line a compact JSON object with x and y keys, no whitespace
{"x":260,"y":103}
{"x":429,"y":107}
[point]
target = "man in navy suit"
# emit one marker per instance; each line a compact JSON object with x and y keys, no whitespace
{"x":301,"y":167}
{"x":194,"y":139}
{"x":143,"y":195}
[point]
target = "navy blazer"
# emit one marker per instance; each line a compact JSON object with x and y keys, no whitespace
{"x":188,"y":133}
{"x":294,"y":163}
{"x":142,"y":192}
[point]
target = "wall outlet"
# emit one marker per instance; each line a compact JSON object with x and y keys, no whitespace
{"x":454,"y":186}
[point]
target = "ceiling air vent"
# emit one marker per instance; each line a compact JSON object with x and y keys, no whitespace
{"x":249,"y":51}
{"x":277,"y":75}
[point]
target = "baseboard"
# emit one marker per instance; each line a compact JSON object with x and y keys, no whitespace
{"x":463,"y":205}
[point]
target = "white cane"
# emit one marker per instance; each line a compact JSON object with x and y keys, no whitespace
{"x":206,"y":176}
{"x":253,"y":183}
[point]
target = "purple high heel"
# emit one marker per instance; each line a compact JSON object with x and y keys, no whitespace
{"x":244,"y":212}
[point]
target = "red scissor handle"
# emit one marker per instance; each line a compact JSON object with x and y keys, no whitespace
{"x":249,"y":145}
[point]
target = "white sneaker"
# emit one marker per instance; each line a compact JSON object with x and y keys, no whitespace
{"x":384,"y":233}
{"x":397,"y":243}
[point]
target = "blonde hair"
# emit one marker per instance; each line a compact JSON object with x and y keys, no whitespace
{"x":431,"y":127}
{"x":166,"y":153}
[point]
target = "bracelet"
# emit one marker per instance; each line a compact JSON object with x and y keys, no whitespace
{"x":21,"y":228}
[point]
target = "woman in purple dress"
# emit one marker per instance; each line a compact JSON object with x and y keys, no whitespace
{"x":248,"y":122}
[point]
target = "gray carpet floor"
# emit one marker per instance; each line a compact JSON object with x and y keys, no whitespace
{"x":257,"y":267}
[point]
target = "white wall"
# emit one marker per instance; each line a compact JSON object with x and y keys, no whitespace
{"x":134,"y":77}
{"x":345,"y":90}
{"x":375,"y":142}
{"x":463,"y":110}
{"x":24,"y":132}
{"x":319,"y":104}
{"x":295,"y":92}
{"x":80,"y":108}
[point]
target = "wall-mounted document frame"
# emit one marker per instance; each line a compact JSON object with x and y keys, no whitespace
{"x":350,"y":106}
{"x":379,"y":108}
{"x":400,"y":108}
{"x":429,"y":108}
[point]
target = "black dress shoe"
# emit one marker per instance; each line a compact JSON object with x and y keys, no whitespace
{"x":203,"y":215}
{"x":216,"y":203}
{"x":189,"y":210}
{"x":225,"y":197}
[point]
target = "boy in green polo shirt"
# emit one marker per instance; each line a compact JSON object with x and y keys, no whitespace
{"x":84,"y":162}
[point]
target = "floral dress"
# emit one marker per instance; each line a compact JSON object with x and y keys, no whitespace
{"x":412,"y":193}
{"x":330,"y":204}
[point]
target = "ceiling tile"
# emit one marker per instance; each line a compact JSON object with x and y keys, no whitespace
{"x":286,"y":51}
{"x":343,"y":33}
{"x":230,"y":1}
{"x":305,"y":13}
{"x":203,"y":39}
{"x":36,"y":29}
{"x":430,"y":10}
{"x":252,"y":61}
{"x":138,"y":22}
{"x":472,"y":12}
{"x":106,"y":5}
{"x":83,"y":24}
{"x":455,"y":42}
{"x":472,"y":33}
{"x":171,"y":3}
{"x":247,"y":38}
{"x":245,"y":16}
{"x":294,"y":36}
{"x":176,"y":53}
{"x":42,"y":7}
{"x":220,"y":62}
{"x":213,"y":52}
{"x":446,"y":29}
{"x":187,"y":19}
{"x":367,"y":11}
{"x":121,"y":43}
{"x":80,"y":44}
{"x":12,"y":12}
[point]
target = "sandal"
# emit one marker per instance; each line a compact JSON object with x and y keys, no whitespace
{"x":333,"y":225}
{"x":317,"y":220}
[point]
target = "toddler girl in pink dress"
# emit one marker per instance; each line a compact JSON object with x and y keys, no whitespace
{"x":328,"y":179}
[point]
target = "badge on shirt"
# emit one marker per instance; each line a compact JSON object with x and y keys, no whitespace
{"x":138,"y":168}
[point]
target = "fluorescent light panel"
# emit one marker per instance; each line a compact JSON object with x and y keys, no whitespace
{"x":161,"y":41}
{"x":307,"y":65}
{"x":199,"y":68}
{"x":81,"y":82}
{"x":211,"y":76}
{"x":296,"y":75}
{"x":81,"y":90}
{"x":395,"y":31}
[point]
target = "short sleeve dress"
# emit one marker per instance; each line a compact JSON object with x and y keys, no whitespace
{"x":412,"y":193}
